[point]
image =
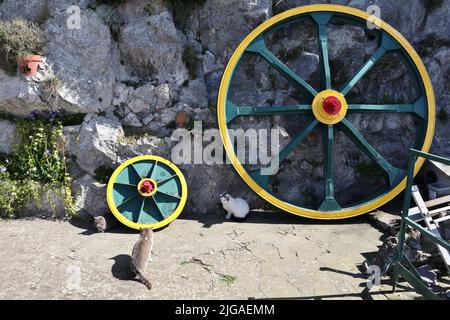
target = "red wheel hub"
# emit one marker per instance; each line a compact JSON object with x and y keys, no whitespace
{"x":147,"y":187}
{"x":332,"y":105}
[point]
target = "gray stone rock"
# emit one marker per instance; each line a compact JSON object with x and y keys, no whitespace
{"x":436,"y":75}
{"x":218,"y":28}
{"x":149,"y":98}
{"x":50,"y":204}
{"x":210,"y":63}
{"x":150,"y":47}
{"x":90,"y":196}
{"x":131,"y":120}
{"x":404,"y":15}
{"x":16,"y":9}
{"x":18,"y":96}
{"x":194,"y":94}
{"x":82,"y":59}
{"x":121,"y":94}
{"x":436,"y":23}
{"x":71,"y":139}
{"x":8,"y":136}
{"x":98,"y":143}
{"x":443,"y":56}
{"x":145,"y":145}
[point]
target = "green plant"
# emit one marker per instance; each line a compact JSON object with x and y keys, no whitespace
{"x":427,"y":46}
{"x":182,"y":5}
{"x":14,"y":195}
{"x":37,"y":163}
{"x":114,"y":22}
{"x":18,"y":37}
{"x":149,"y":8}
{"x":370,"y":172}
{"x":113,"y":3}
{"x":228,"y":279}
{"x":310,"y":197}
{"x":51,"y":84}
{"x":189,"y":125}
{"x":442,"y":115}
{"x":131,"y":83}
{"x":44,"y":15}
{"x":430,"y":5}
{"x":191,"y":61}
{"x":103,"y":173}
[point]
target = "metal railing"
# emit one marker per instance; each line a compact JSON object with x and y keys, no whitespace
{"x":400,"y":262}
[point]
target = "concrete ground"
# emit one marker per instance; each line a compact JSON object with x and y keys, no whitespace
{"x":271,"y":255}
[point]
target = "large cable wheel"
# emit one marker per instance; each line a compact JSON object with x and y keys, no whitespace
{"x":327,"y":109}
{"x":146,"y":192}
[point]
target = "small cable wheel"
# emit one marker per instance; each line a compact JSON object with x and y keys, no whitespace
{"x":147,"y":192}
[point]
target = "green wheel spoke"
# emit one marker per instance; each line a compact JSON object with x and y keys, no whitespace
{"x":128,"y":200}
{"x":152,"y":170}
{"x":234,"y":111}
{"x":259,"y":47}
{"x":263,"y":179}
{"x":137,"y":214}
{"x":419,"y":108}
{"x":298,"y":138}
{"x":322,"y":19}
{"x":169,"y":194}
{"x":385,"y":44}
{"x":157,"y":207}
{"x":379,"y":53}
{"x":135,"y":170}
{"x":329,"y":203}
{"x":162,"y":181}
{"x":393,"y":173}
{"x":126,"y":184}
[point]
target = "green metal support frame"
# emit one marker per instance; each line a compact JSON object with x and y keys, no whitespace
{"x":401,"y":265}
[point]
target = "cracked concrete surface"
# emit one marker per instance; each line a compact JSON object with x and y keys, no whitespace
{"x":271,"y":255}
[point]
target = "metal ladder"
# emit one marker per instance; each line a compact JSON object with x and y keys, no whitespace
{"x":402,"y":266}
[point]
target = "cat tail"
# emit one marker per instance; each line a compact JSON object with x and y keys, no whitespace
{"x":144,"y":279}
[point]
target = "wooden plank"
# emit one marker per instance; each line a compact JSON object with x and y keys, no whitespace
{"x":437,"y":201}
{"x":430,"y":223}
{"x":431,"y":203}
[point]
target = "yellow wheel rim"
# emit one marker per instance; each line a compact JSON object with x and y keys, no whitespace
{"x":222,"y":116}
{"x":161,"y":205}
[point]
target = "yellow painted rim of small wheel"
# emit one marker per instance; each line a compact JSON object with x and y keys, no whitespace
{"x":222,"y":97}
{"x":138,"y":226}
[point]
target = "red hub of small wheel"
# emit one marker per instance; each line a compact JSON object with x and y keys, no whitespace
{"x":332,"y":105}
{"x":147,"y":187}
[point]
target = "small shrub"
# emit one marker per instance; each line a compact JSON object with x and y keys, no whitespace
{"x":228,"y":279}
{"x":51,"y":84}
{"x":183,"y":5}
{"x":18,"y":37}
{"x":430,"y":5}
{"x":113,"y":3}
{"x":191,"y":62}
{"x":114,"y":22}
{"x":37,"y":163}
{"x":427,"y":46}
{"x":44,"y":15}
{"x":14,"y":195}
{"x":149,"y":8}
{"x":103,"y":173}
{"x":442,"y":115}
{"x":370,"y":172}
